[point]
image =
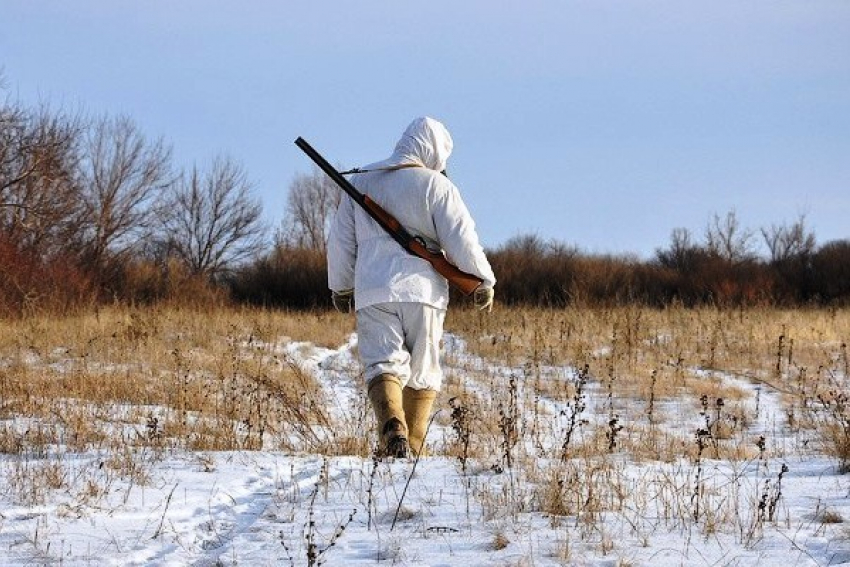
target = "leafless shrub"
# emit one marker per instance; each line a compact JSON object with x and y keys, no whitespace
{"x":292,"y":277}
{"x":461,"y":425}
{"x":573,"y":411}
{"x":833,"y":424}
{"x":212,"y":222}
{"x":314,"y":551}
{"x":727,"y":239}
{"x":311,"y":202}
{"x":39,"y":193}
{"x":124,"y":177}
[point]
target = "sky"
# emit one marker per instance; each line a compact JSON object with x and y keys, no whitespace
{"x":594,"y":123}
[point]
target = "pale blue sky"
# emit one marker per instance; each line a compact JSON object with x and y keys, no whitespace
{"x":603,"y":124}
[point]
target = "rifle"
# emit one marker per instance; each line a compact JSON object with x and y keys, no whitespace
{"x":466,"y":283}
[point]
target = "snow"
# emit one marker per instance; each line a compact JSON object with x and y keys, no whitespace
{"x":173,"y":507}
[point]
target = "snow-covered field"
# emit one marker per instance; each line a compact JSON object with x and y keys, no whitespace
{"x":782,"y":505}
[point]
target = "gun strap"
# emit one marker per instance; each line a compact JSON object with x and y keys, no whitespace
{"x":390,"y":168}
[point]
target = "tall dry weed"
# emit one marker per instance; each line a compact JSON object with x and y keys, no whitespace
{"x":555,"y":404}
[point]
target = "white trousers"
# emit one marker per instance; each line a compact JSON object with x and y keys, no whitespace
{"x":402,"y":339}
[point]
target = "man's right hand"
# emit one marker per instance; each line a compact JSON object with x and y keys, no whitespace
{"x":483,"y":299}
{"x":343,"y":300}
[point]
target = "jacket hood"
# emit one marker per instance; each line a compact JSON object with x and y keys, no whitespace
{"x":425,"y":142}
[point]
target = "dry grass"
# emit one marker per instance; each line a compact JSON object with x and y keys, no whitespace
{"x":680,"y":356}
{"x":637,"y":341}
{"x":163,"y":377}
{"x":672,"y":389}
{"x":214,"y":380}
{"x":558,"y":400}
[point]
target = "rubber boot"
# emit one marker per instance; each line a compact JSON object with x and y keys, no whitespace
{"x":386,"y":397}
{"x":417,"y":411}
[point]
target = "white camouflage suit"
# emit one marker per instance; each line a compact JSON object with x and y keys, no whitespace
{"x":400,"y":300}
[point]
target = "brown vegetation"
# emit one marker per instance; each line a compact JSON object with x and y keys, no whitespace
{"x":88,"y":207}
{"x":183,"y":378}
{"x":574,"y":413}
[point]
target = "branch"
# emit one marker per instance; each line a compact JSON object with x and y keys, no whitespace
{"x":26,"y":208}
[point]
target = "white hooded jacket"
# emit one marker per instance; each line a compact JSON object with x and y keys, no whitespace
{"x":362,"y":256}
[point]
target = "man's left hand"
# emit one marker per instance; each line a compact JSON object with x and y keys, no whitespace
{"x":483,"y":299}
{"x":343,"y":300}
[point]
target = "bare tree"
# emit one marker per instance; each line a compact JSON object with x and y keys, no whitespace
{"x":726,"y":239}
{"x":788,"y":242}
{"x":681,"y":255}
{"x":213,"y":221}
{"x":530,"y":246}
{"x":124,"y":178}
{"x":39,"y":193}
{"x":311,"y":204}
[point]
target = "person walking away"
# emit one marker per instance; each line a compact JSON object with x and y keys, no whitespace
{"x":399,"y":299}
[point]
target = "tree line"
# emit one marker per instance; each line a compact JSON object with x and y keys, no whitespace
{"x":93,"y":211}
{"x":722,"y":269}
{"x":726,"y":265}
{"x":689,"y":271}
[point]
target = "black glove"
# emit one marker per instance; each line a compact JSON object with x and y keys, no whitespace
{"x":343,"y":300}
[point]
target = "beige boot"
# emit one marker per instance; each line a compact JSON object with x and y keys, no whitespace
{"x":385,"y":395}
{"x":417,"y":410}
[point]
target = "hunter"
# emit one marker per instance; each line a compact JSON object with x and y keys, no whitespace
{"x":399,"y":299}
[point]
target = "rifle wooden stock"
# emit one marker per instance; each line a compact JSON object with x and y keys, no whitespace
{"x":464,"y":282}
